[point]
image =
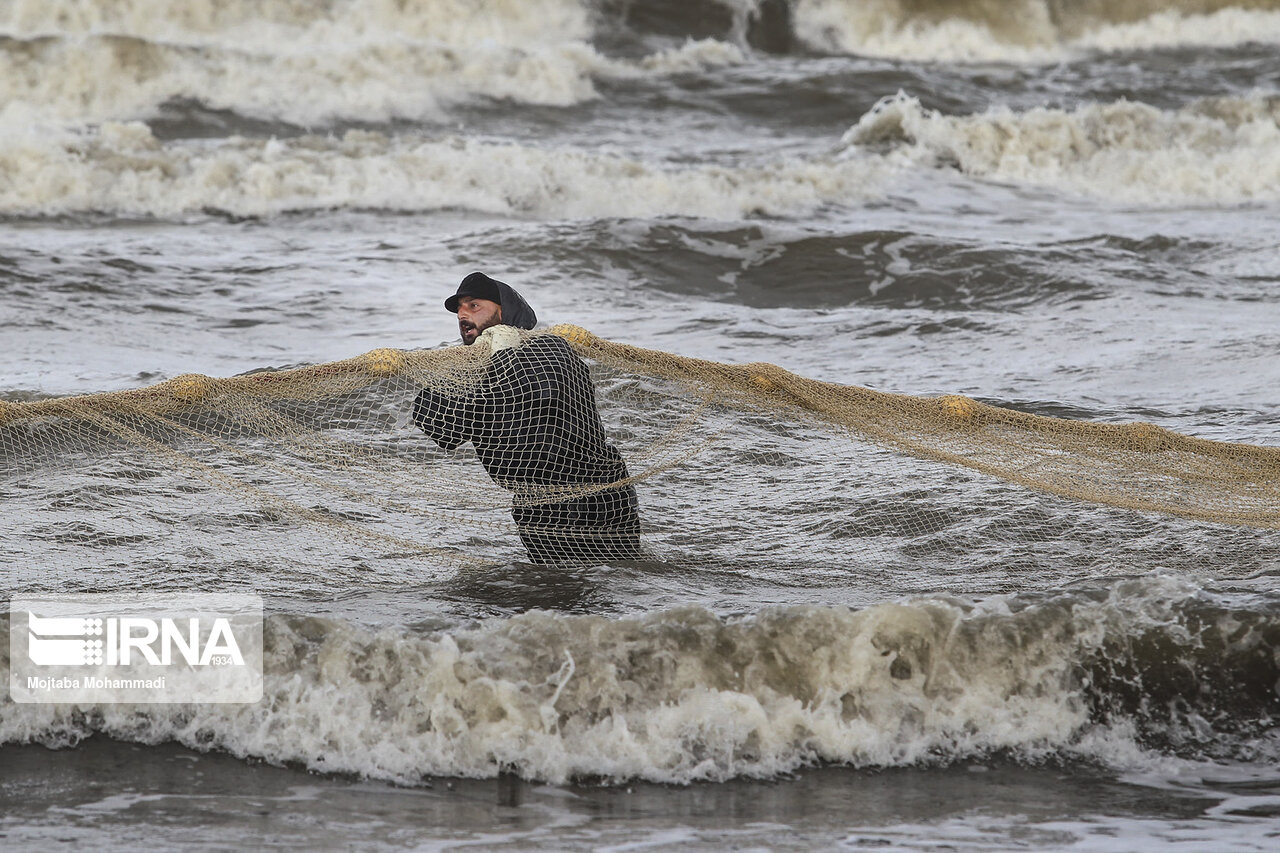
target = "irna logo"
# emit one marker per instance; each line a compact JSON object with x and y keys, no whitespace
{"x":136,"y":648}
{"x":124,"y":640}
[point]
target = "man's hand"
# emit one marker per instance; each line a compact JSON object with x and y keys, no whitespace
{"x":499,"y":338}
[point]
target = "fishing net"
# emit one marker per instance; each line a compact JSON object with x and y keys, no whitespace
{"x":562,"y":447}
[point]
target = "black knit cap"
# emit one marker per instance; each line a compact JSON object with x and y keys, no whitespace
{"x":478,"y":285}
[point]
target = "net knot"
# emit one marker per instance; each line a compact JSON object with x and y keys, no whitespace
{"x":191,"y":387}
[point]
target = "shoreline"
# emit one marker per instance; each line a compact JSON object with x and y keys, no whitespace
{"x":113,"y":795}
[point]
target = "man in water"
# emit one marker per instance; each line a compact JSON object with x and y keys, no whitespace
{"x":533,"y":421}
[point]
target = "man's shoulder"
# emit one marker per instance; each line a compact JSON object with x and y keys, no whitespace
{"x":546,"y":345}
{"x":545,"y":356}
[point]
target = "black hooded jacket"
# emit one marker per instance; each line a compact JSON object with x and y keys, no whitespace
{"x":532,"y":419}
{"x":515,"y":311}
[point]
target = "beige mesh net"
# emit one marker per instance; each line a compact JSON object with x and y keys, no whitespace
{"x":562,"y":447}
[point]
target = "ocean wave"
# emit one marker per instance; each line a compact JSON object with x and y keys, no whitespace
{"x":1217,"y":150}
{"x":123,"y":169}
{"x":684,"y":695}
{"x":1032,"y":31}
{"x":104,"y":77}
{"x":285,"y":33}
{"x":355,"y":61}
{"x":780,"y":264}
{"x":281,"y":24}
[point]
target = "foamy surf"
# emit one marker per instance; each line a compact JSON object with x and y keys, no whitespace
{"x":354,"y":62}
{"x":1032,"y":31}
{"x":284,"y":24}
{"x":104,"y":77}
{"x":684,"y":695}
{"x":1024,"y":31}
{"x":124,"y":169}
{"x":1214,"y":151}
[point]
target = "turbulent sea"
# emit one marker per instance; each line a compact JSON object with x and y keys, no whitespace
{"x":1067,"y":207}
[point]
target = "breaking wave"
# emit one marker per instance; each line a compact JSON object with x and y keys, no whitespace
{"x":369,"y":62}
{"x":383,"y":61}
{"x":124,"y":169}
{"x":684,"y":695}
{"x":1027,"y":30}
{"x":105,"y":77}
{"x":1214,"y":151}
{"x":1217,"y":150}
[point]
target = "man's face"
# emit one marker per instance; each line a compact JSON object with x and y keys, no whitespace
{"x":475,"y":315}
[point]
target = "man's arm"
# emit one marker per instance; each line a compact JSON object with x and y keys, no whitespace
{"x":452,"y":420}
{"x":445,"y":419}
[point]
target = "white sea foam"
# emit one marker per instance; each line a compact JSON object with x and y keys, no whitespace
{"x":99,"y":78}
{"x":121,"y":168}
{"x":1217,"y":151}
{"x":671,"y":696}
{"x":693,"y":56}
{"x":362,"y":39}
{"x":263,"y":23}
{"x":1026,"y":32}
{"x":884,"y":28}
{"x":674,"y":696}
{"x":356,"y":61}
{"x":312,"y":64}
{"x":1225,"y":28}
